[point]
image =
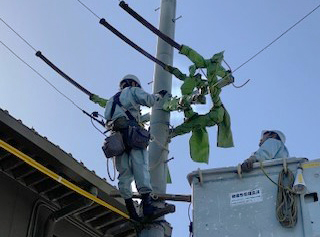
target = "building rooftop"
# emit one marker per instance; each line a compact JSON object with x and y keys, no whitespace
{"x":96,"y":217}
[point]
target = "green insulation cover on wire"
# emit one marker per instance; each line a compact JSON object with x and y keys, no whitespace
{"x":98,"y":100}
{"x":199,"y":145}
{"x":193,"y":89}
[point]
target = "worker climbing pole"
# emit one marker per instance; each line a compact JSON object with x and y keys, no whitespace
{"x":194,"y":90}
{"x":160,"y":119}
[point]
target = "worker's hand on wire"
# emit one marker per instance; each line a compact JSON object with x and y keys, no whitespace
{"x":247,"y":165}
{"x":162,"y":93}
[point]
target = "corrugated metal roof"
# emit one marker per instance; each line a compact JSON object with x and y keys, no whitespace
{"x":98,"y":218}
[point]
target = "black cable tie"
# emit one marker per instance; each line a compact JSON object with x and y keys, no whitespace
{"x":131,"y":43}
{"x":61,"y":73}
{"x":95,"y":114}
{"x":144,"y":22}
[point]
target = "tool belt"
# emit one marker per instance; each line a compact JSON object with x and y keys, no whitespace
{"x":113,"y":145}
{"x":138,"y":137}
{"x":126,"y":135}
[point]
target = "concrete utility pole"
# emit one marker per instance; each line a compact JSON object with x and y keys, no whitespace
{"x":159,"y":123}
{"x":160,"y":119}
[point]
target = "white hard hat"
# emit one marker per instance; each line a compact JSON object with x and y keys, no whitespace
{"x":280,"y":134}
{"x":131,"y":77}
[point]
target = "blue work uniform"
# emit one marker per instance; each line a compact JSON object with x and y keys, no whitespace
{"x":271,"y":149}
{"x":132,"y":164}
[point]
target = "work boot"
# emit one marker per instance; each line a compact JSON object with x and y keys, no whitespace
{"x":132,"y":210}
{"x":148,"y":208}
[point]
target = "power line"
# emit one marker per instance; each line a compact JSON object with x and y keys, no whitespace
{"x":276,"y":39}
{"x":49,"y":63}
{"x":84,"y":5}
{"x":267,"y":46}
{"x":46,"y":80}
{"x":247,"y":61}
{"x":17,"y":34}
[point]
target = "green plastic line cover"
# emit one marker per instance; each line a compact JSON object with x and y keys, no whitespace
{"x":98,"y":100}
{"x":193,"y":90}
{"x":195,"y":123}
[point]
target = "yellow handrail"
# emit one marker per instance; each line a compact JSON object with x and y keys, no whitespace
{"x":58,"y":178}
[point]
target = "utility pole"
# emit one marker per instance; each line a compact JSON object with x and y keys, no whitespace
{"x":160,"y":119}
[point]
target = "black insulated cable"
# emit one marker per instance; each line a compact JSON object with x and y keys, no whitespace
{"x":132,"y":44}
{"x":47,"y":61}
{"x":101,"y":122}
{"x":45,"y":79}
{"x":61,"y":73}
{"x":144,"y":22}
{"x":95,"y":119}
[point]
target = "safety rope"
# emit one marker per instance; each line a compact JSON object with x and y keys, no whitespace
{"x":114,"y":169}
{"x":286,"y":205}
{"x":265,"y":173}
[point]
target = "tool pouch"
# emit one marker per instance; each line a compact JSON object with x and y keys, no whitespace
{"x":138,"y":137}
{"x":113,"y":145}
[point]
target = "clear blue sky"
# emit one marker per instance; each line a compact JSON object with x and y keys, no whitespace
{"x":283,"y":92}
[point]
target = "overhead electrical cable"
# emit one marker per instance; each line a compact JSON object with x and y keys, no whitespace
{"x":170,"y":41}
{"x":85,"y":6}
{"x":17,"y":34}
{"x":55,"y":88}
{"x":144,"y":22}
{"x":163,"y":36}
{"x":123,"y":37}
{"x":131,"y":43}
{"x":45,"y":79}
{"x":65,"y":76}
{"x":174,"y":44}
{"x":276,"y":39}
{"x":49,"y":63}
{"x":55,"y":68}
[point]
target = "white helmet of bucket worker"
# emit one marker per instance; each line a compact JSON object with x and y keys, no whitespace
{"x":280,"y":134}
{"x":130,"y":77}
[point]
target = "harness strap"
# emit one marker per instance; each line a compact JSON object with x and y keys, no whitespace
{"x":116,"y":101}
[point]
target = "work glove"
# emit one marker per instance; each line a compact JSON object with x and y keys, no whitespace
{"x":162,"y":93}
{"x":247,"y":165}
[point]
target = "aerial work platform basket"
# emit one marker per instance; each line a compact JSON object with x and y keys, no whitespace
{"x":228,"y":204}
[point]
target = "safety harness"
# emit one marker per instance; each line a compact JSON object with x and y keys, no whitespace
{"x":116,"y":101}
